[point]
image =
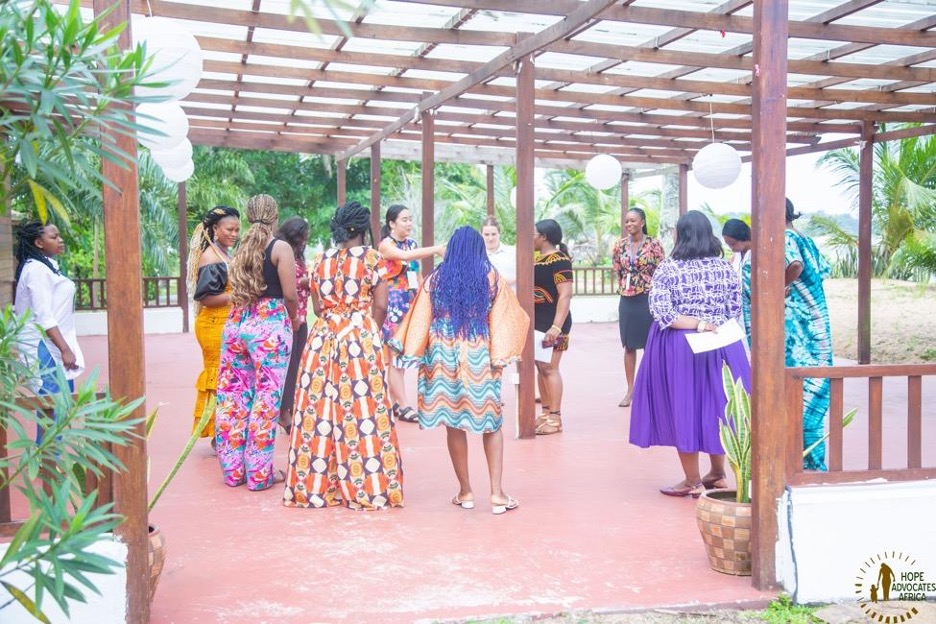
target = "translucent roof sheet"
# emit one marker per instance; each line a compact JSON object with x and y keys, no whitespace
{"x":645,"y":72}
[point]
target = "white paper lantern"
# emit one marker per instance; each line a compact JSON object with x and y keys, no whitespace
{"x":180,"y":174}
{"x":175,"y":157}
{"x":177,"y":57}
{"x":716,"y":166}
{"x":167,"y":118}
{"x":603,"y":171}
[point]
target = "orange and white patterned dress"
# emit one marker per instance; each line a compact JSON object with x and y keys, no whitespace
{"x":343,"y":447}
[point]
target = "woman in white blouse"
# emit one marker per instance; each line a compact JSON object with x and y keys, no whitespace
{"x":49,"y":340}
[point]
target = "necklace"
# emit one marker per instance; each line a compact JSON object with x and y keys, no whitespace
{"x":222,"y":252}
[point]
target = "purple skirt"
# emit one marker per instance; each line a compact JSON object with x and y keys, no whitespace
{"x":678,"y":395}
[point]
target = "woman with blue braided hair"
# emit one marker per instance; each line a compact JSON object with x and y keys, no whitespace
{"x":464,"y":327}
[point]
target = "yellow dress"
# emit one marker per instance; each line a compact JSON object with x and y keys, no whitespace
{"x":209,"y":325}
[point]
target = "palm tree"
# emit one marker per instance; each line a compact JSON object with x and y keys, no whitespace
{"x":463,"y":201}
{"x":903,"y":197}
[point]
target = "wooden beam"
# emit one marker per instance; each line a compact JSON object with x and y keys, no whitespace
{"x":375,"y":217}
{"x":182,"y":296}
{"x":428,"y":188}
{"x":583,"y":14}
{"x":865,"y":181}
{"x":489,"y":170}
{"x":526,"y":392}
{"x":125,"y":346}
{"x":683,"y":189}
{"x":342,"y":181}
{"x":745,"y":25}
{"x":625,"y":200}
{"x":770,"y":439}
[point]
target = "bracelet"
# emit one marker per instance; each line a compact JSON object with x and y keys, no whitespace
{"x":558,"y":329}
{"x":701,"y":327}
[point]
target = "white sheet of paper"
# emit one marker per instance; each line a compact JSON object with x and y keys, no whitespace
{"x":728,"y":333}
{"x":541,"y":353}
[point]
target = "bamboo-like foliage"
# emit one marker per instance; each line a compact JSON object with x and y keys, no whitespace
{"x":735,"y":433}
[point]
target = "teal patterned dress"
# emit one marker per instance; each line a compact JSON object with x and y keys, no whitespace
{"x":809,"y":338}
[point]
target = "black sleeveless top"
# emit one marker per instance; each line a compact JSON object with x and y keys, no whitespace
{"x":273,"y":290}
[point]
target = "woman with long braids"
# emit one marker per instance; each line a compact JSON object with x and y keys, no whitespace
{"x":295,"y":231}
{"x":255,"y":350}
{"x":343,"y":448}
{"x":49,"y":296}
{"x":209,"y":257}
{"x":552,"y":296}
{"x":634,"y":259}
{"x":465,"y":326}
{"x":401,"y":255}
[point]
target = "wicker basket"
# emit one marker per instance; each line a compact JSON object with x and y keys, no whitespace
{"x":157,"y":557}
{"x":726,"y":530}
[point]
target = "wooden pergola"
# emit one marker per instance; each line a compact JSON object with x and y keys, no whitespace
{"x":546,"y":83}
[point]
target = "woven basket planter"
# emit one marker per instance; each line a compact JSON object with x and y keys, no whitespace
{"x":726,"y":530}
{"x":157,"y":557}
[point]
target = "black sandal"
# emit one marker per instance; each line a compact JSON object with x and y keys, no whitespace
{"x":407,"y":414}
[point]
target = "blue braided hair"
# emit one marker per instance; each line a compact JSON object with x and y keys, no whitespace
{"x":460,"y":286}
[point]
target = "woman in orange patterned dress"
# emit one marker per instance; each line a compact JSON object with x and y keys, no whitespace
{"x":343,"y":448}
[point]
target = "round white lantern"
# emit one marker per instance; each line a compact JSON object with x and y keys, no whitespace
{"x":177,"y":57}
{"x":175,"y":157}
{"x":603,"y":171}
{"x":167,"y":118}
{"x":180,"y":174}
{"x":716,"y":166}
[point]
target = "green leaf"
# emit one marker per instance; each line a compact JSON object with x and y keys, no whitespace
{"x":27,"y":532}
{"x":25,"y":601}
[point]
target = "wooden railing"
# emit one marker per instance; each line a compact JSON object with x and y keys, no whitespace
{"x":914,"y":470}
{"x":102,"y":485}
{"x":600,"y":281}
{"x":158,"y":292}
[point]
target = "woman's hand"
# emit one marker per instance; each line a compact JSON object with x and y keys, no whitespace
{"x":440,"y":251}
{"x":705,"y":326}
{"x":69,"y":360}
{"x":551,"y":336}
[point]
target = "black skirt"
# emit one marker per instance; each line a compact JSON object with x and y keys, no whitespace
{"x":634,"y":321}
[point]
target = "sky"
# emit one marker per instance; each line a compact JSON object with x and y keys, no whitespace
{"x":810,"y":188}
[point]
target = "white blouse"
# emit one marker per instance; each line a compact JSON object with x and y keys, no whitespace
{"x":50,"y":297}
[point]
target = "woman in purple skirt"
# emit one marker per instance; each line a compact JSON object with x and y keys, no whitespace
{"x":678,"y":395}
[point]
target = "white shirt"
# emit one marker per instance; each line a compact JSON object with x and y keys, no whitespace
{"x":51,"y":299}
{"x":504,"y":259}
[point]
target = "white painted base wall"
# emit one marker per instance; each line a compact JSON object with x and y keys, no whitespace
{"x":595,"y":309}
{"x":155,"y":321}
{"x":827,"y":532}
{"x":110,"y":606}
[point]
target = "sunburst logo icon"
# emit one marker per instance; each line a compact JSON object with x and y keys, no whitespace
{"x":886,"y":586}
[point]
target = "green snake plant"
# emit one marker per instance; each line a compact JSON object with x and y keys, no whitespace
{"x":735,"y":433}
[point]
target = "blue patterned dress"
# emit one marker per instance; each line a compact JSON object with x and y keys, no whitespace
{"x":808,"y":337}
{"x":399,"y":295}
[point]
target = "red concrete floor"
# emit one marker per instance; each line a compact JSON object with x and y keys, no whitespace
{"x":592,"y":532}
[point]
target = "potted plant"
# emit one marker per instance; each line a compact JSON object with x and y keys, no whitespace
{"x":724,"y":516}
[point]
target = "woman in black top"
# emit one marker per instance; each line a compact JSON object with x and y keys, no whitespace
{"x":552,"y":294}
{"x":255,"y":352}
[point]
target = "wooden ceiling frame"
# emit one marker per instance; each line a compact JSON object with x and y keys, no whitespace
{"x":606,"y":106}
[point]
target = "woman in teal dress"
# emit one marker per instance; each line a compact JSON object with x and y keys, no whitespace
{"x":808,"y":337}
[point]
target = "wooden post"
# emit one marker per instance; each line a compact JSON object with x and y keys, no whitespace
{"x":125,"y":341}
{"x":526,"y":399}
{"x":375,"y":216}
{"x":182,"y":294}
{"x":865,"y":175}
{"x":342,"y":181}
{"x":490,"y":190}
{"x":769,"y":416}
{"x":683,"y":189}
{"x":625,"y":199}
{"x":428,"y":187}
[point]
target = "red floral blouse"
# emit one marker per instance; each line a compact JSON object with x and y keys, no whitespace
{"x":635,"y":264}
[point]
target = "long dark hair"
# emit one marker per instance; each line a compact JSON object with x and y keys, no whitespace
{"x":551,"y":229}
{"x":295,"y":231}
{"x":791,"y":214}
{"x":737,"y":229}
{"x":392,"y":213}
{"x":643,"y":217}
{"x":461,"y":288}
{"x":351,"y":220}
{"x":695,"y":238}
{"x":26,"y":236}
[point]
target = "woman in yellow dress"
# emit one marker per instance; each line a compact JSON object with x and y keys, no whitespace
{"x":209,"y":255}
